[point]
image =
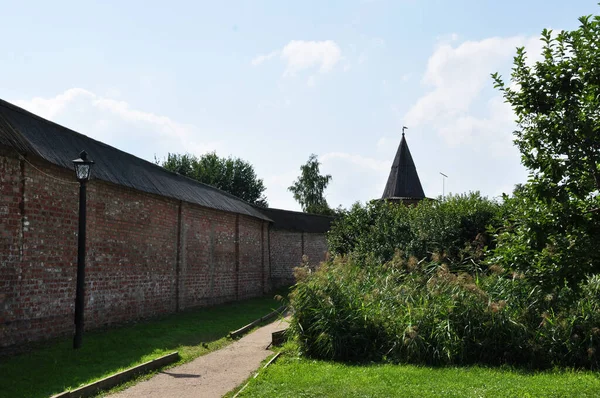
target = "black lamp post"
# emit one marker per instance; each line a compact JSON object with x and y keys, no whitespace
{"x":83,"y":168}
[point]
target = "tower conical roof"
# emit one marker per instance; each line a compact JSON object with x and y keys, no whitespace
{"x":403,"y":181}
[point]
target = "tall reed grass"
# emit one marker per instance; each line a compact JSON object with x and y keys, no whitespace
{"x":424,"y":313}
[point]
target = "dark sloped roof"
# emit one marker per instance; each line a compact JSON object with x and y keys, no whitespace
{"x":29,"y":133}
{"x":297,"y":221}
{"x":403,"y":181}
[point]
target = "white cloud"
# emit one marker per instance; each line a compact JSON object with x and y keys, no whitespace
{"x":462,"y":121}
{"x":301,"y":55}
{"x":256,"y":61}
{"x":164,"y":124}
{"x":50,"y":107}
{"x":491,"y":132}
{"x":117,"y":123}
{"x":458,"y":76}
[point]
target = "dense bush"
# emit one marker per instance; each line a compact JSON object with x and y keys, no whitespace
{"x":403,"y":311}
{"x":421,"y":285}
{"x":453,"y":229}
{"x":466,"y":280}
{"x":554,"y":228}
{"x":551,"y":245}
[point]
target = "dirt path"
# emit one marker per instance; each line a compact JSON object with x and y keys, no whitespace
{"x":211,"y":375}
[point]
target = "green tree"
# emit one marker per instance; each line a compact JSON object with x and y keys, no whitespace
{"x":555,"y":225}
{"x":310,"y":186}
{"x":232,"y":175}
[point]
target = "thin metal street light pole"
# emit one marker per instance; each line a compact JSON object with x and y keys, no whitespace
{"x":80,"y":290}
{"x":444,"y":176}
{"x":83,"y":168}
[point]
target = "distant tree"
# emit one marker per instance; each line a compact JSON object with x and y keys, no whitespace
{"x":232,"y":175}
{"x":309,"y":188}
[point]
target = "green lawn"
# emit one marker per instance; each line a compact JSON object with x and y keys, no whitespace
{"x":293,"y":377}
{"x":55,"y":367}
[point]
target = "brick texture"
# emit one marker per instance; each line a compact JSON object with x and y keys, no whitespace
{"x":315,"y":248}
{"x":39,"y":244}
{"x":286,"y":253}
{"x":287,"y":248}
{"x":147,"y":255}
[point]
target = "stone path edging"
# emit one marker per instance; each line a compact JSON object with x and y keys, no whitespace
{"x":244,"y":329}
{"x":118,"y":378}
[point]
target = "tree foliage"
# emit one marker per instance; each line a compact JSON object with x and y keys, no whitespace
{"x":232,"y":175}
{"x":452,"y":230}
{"x":310,"y":186}
{"x":555,"y":225}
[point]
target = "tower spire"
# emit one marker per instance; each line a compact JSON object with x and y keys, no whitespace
{"x":403,"y":182}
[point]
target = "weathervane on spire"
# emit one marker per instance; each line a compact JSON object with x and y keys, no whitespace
{"x":404,"y":128}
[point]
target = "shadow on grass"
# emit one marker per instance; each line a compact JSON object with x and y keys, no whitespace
{"x":54,"y":367}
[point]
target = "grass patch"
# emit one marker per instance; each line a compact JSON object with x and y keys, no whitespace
{"x":295,"y":377}
{"x":54,"y":367}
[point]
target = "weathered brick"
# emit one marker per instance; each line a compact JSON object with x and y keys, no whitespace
{"x":287,"y":249}
{"x":146,"y":255}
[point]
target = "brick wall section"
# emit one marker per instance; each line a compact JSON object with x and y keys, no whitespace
{"x":131,"y":254}
{"x":146,"y":255}
{"x":267,"y":283}
{"x":38,"y":269}
{"x":10,"y":244}
{"x":250,"y":258}
{"x":315,"y":247}
{"x":287,"y":248}
{"x":286,"y":253}
{"x":133,"y":258}
{"x":208,"y":257}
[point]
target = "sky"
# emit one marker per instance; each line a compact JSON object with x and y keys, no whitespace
{"x":272,"y":82}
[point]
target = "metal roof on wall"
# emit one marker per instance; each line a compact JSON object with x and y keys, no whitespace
{"x":296,"y":221}
{"x":29,"y":133}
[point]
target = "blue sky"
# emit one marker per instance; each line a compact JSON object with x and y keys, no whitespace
{"x":274,"y":81}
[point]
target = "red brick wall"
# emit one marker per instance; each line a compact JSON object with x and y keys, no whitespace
{"x":286,"y":253}
{"x":10,"y":245}
{"x":207,"y":263}
{"x":135,"y":267}
{"x":287,"y":248}
{"x":267,"y":283}
{"x":146,"y":254}
{"x":131,"y":254}
{"x":250,"y":257}
{"x":315,"y":248}
{"x":39,"y":249}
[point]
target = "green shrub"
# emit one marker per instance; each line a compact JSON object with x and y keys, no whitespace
{"x":414,"y":285}
{"x":550,"y":245}
{"x":452,"y":230}
{"x":407,"y":312}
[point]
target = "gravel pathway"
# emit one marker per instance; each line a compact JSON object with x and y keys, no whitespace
{"x":213,"y":374}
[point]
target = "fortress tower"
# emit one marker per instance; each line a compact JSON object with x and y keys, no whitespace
{"x":403,"y":184}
